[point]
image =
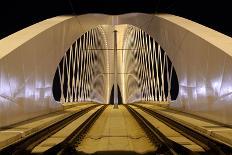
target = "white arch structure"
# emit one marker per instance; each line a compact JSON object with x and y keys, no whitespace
{"x":201,"y":57}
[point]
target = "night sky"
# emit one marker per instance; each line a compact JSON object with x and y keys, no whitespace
{"x":18,"y":14}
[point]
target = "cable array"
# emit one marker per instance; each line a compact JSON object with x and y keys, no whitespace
{"x":85,"y":75}
{"x":81,"y":68}
{"x":148,"y":68}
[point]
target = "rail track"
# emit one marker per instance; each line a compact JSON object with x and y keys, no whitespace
{"x":167,"y":145}
{"x":169,"y":136}
{"x":27,"y":144}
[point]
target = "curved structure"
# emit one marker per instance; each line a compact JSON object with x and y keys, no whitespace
{"x":87,"y":70}
{"x":148,"y":71}
{"x":201,"y":57}
{"x":81,"y":71}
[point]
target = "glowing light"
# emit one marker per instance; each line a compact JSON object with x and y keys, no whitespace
{"x":201,"y":90}
{"x":216,"y":85}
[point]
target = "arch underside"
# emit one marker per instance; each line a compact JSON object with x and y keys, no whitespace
{"x":201,"y":56}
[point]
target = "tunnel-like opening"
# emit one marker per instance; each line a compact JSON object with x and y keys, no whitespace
{"x":145,"y":72}
{"x":112,"y":96}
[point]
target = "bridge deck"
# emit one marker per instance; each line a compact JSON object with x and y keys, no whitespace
{"x":170,"y":133}
{"x":116,"y":130}
{"x":218,"y":131}
{"x":18,"y":131}
{"x":61,"y":135}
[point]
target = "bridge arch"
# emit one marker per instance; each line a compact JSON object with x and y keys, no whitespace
{"x":195,"y":51}
{"x":138,"y":55}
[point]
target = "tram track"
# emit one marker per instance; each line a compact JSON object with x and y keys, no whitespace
{"x":27,"y":144}
{"x":166,"y":144}
{"x":67,"y":146}
{"x":167,"y":136}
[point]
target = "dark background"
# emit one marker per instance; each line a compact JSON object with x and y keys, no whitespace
{"x":18,"y":14}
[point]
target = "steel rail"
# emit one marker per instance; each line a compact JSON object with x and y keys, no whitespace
{"x":26,"y":144}
{"x":69,"y":144}
{"x":165,"y":145}
{"x":210,"y":145}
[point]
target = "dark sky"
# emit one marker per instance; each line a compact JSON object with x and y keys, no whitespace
{"x":18,"y":14}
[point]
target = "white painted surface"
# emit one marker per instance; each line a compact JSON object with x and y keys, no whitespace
{"x":201,"y":57}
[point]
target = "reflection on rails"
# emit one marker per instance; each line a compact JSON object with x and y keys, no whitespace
{"x":175,"y":137}
{"x":130,"y":129}
{"x":58,"y":136}
{"x":116,"y":132}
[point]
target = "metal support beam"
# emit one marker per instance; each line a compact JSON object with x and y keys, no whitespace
{"x":115,"y":71}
